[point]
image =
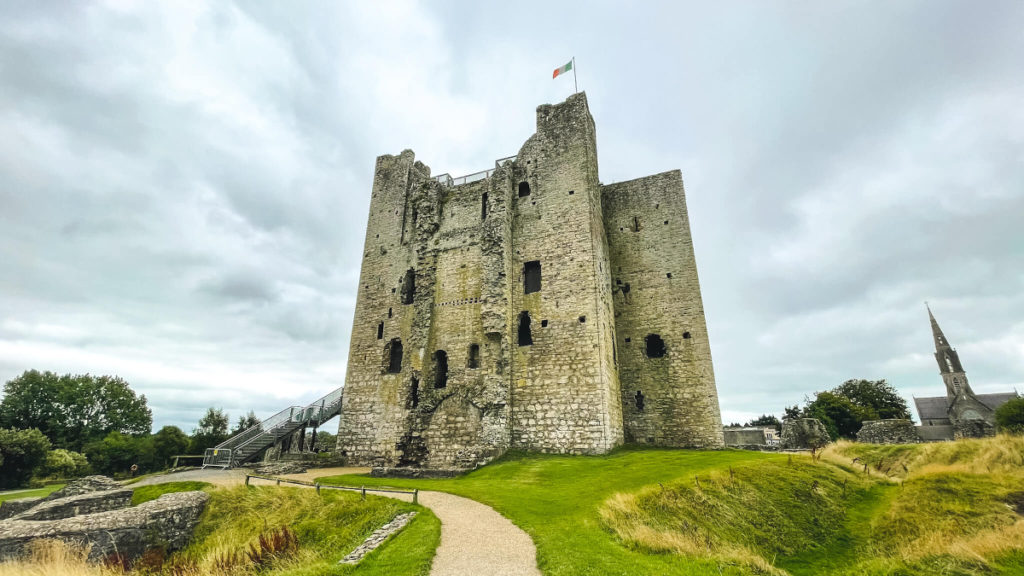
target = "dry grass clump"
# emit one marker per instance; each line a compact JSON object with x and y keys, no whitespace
{"x":55,"y":558}
{"x":744,"y":516}
{"x":1001,"y":454}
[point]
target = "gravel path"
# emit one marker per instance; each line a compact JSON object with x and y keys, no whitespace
{"x":475,"y":539}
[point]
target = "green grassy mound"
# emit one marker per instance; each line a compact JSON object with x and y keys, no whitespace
{"x":950,"y":508}
{"x":325,"y":527}
{"x":154,"y":491}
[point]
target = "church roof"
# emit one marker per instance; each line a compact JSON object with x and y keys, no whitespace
{"x":994,"y":401}
{"x":932,"y":408}
{"x":935,"y":408}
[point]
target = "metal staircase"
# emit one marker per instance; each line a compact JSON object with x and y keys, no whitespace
{"x":247,"y":444}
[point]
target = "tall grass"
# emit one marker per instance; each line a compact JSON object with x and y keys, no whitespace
{"x":748,"y":515}
{"x":55,"y":558}
{"x":1001,"y":454}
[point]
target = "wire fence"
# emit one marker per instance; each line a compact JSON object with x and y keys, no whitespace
{"x":318,"y":486}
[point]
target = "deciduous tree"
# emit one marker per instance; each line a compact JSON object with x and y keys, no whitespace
{"x":72,"y":410}
{"x":22,"y":452}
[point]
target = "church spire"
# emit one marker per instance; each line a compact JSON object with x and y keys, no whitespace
{"x":940,"y":339}
{"x":949,"y":361}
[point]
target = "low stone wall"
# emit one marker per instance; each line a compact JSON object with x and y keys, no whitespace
{"x":891,"y":431}
{"x":973,"y":429}
{"x":166,"y":522}
{"x":385,"y":472}
{"x":803,"y":433}
{"x":78,"y":505}
{"x":739,"y":437}
{"x":9,"y":508}
{"x":85,"y":485}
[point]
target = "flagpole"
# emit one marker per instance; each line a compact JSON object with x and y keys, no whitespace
{"x":574,"y":85}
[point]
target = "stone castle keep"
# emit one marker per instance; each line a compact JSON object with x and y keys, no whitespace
{"x":526,"y":307}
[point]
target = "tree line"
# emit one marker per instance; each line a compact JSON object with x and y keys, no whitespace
{"x":63,"y":426}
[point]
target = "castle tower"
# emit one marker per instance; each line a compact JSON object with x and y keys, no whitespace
{"x":486,"y":317}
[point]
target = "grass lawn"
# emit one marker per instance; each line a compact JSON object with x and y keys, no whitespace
{"x":36,"y":493}
{"x":327,"y":526}
{"x":927,"y":509}
{"x":556,"y":499}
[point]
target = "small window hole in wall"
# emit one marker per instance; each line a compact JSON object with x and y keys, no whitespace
{"x":525,"y":337}
{"x":666,"y":221}
{"x":625,"y":289}
{"x":524,"y":189}
{"x":380,"y":331}
{"x":639,"y":398}
{"x":393,"y":356}
{"x":668,"y":275}
{"x":583,"y":319}
{"x":686,"y":335}
{"x":378,"y":236}
{"x":543,"y":323}
{"x":414,"y":392}
{"x":390,"y":313}
{"x":483,"y":206}
{"x":531,"y":277}
{"x":628,"y":340}
{"x":408,"y":286}
{"x":474,"y":356}
{"x":571,"y":192}
{"x":636,"y":224}
{"x":656,"y":206}
{"x":655,"y":346}
{"x":440,"y":369}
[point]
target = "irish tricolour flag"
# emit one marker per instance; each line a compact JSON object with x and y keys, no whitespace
{"x":562,"y":70}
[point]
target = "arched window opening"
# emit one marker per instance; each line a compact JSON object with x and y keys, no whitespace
{"x":686,"y":335}
{"x":639,"y":398}
{"x":408,"y":286}
{"x":524,"y":189}
{"x":525,"y":337}
{"x":390,"y":312}
{"x":380,"y":331}
{"x":393,"y":356}
{"x":414,"y":392}
{"x":440,"y":369}
{"x":474,"y":356}
{"x":655,"y":346}
{"x":949,"y":363}
{"x":483,"y":206}
{"x":531,"y":277}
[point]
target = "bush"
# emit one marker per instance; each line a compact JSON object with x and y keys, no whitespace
{"x":61,"y":463}
{"x":22,"y":452}
{"x":115,"y":454}
{"x":1010,"y":416}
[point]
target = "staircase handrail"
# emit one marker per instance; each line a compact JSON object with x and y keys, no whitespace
{"x":244,"y":437}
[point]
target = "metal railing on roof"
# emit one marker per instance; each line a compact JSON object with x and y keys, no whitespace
{"x":447,"y":180}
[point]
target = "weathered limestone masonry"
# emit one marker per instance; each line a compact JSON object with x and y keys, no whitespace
{"x":891,"y":431}
{"x":94,"y":512}
{"x":527,"y":307}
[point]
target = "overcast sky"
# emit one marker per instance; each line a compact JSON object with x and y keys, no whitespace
{"x":184,"y":185}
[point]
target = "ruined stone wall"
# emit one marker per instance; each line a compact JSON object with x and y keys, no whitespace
{"x":565,"y":390}
{"x":891,"y":431}
{"x":656,"y":292}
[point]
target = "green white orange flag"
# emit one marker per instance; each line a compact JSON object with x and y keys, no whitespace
{"x":562,"y":70}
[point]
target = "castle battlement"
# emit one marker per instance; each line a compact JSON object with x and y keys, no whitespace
{"x":526,"y":306}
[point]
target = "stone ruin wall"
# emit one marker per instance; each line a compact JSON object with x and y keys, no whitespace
{"x":891,"y":431}
{"x":559,"y":394}
{"x":656,"y":291}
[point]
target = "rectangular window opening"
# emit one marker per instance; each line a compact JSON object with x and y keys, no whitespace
{"x":531,"y":277}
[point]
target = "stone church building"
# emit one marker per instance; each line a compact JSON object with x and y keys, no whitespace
{"x":528,"y":306}
{"x":960,"y":413}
